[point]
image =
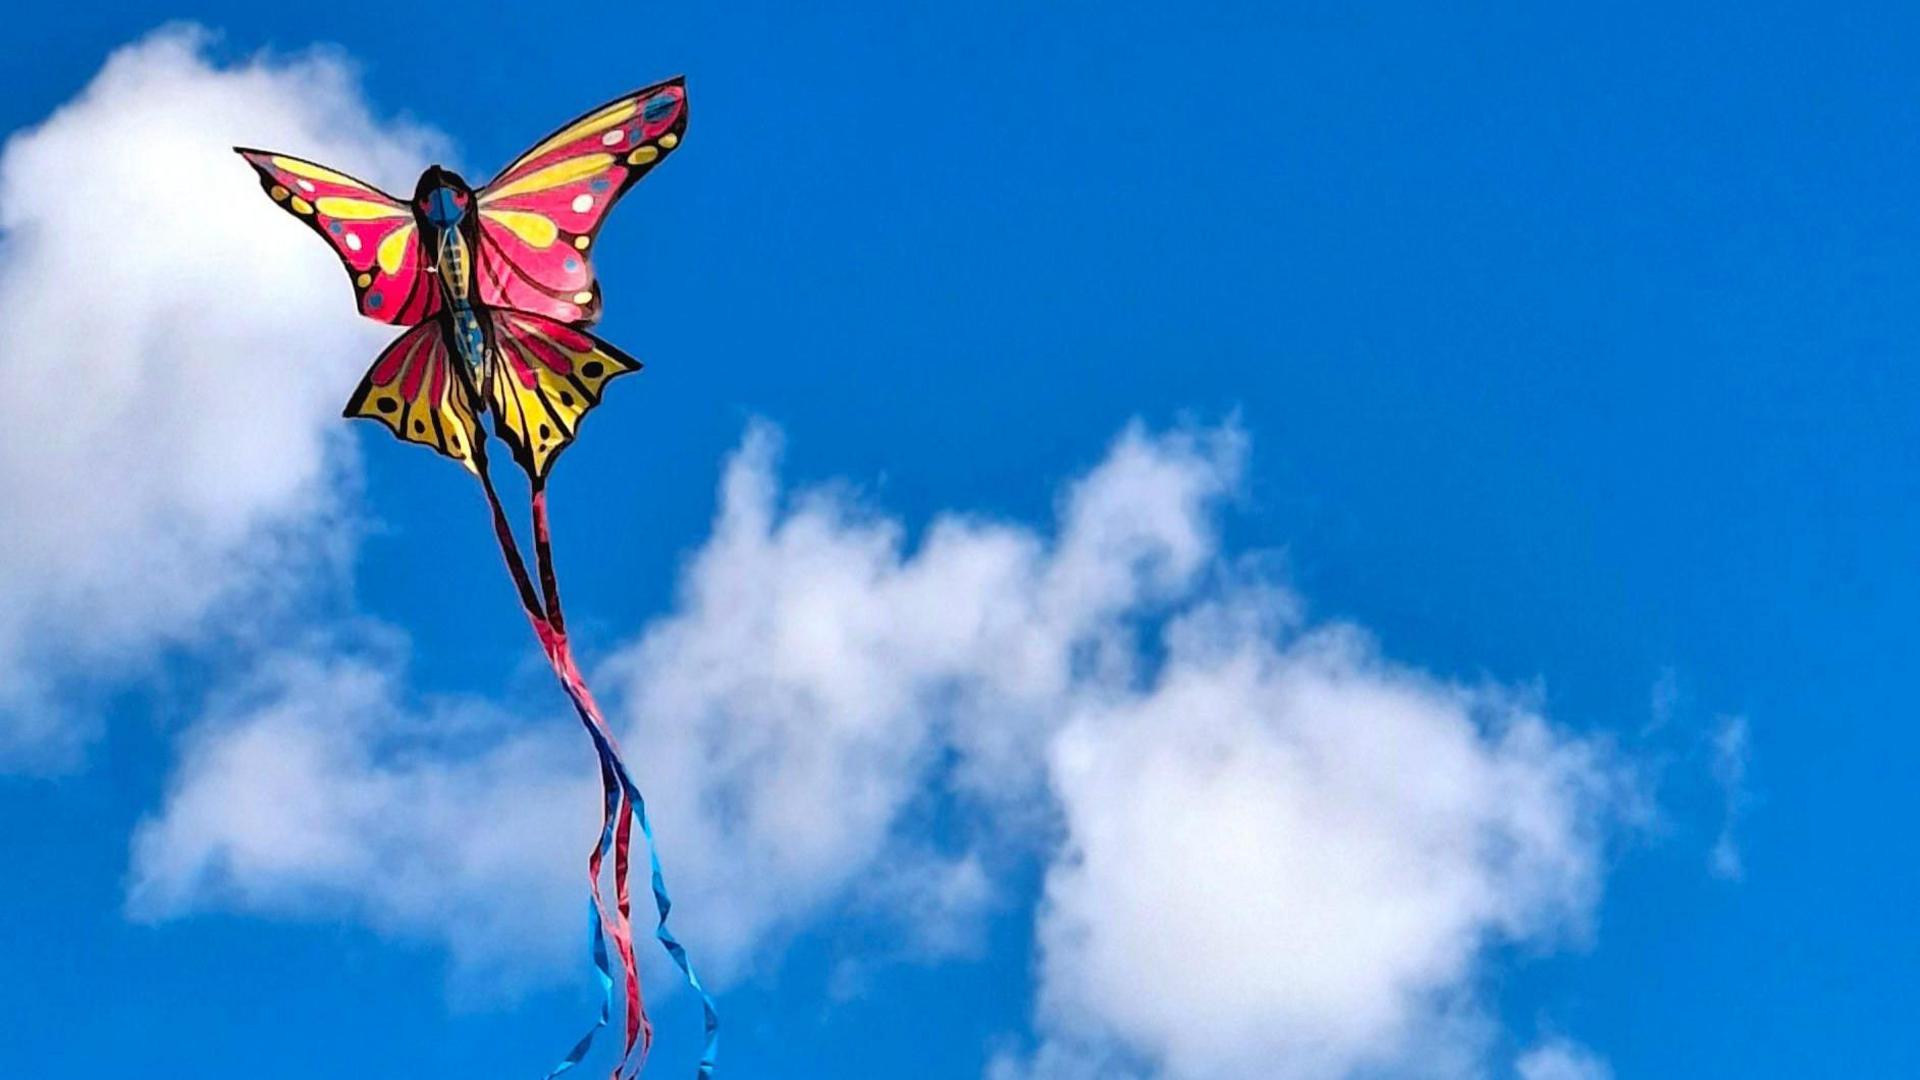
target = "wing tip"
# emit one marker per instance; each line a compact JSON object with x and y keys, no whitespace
{"x":679,"y":80}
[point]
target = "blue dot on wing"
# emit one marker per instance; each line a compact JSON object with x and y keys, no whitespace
{"x":573,"y":264}
{"x":374,"y":300}
{"x":600,"y":184}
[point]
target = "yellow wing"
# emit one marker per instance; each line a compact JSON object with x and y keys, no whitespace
{"x":414,"y":389}
{"x":544,"y":378}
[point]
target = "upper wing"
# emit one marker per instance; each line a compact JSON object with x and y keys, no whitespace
{"x":543,"y":379}
{"x":371,"y":231}
{"x":414,"y":390}
{"x":540,"y":215}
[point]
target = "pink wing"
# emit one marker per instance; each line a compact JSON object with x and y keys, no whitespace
{"x":539,"y":217}
{"x":372,"y":232}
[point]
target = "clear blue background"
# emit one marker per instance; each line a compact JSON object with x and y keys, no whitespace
{"x":1572,"y":347}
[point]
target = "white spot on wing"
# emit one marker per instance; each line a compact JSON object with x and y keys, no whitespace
{"x":582,"y":203}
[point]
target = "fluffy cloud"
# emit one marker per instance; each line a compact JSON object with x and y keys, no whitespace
{"x":182,"y":355}
{"x":1559,"y":1059}
{"x":816,"y":670}
{"x":1271,"y":852}
{"x":1288,"y":857}
{"x":317,"y":788}
{"x":792,"y":707}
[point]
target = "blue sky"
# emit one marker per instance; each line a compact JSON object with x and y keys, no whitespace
{"x":1564,"y":354}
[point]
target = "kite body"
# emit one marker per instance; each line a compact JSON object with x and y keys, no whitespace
{"x":497,"y":283}
{"x":496,"y":290}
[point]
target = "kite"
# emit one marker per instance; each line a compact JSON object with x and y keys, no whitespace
{"x":496,"y":289}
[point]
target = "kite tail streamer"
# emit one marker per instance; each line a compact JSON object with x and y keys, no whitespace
{"x":559,"y":650}
{"x":543,"y":554}
{"x":639,"y":1027}
{"x":596,"y":923}
{"x":549,"y":626}
{"x":609,"y":748}
{"x":612,"y":830}
{"x":509,"y":547}
{"x":663,"y":902}
{"x":600,"y":926}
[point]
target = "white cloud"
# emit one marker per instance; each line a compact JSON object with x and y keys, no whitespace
{"x":792,"y":711}
{"x":317,"y":788}
{"x":1288,"y":857}
{"x":1271,"y":851}
{"x":1559,"y":1059}
{"x":1730,"y":751}
{"x":796,"y":704}
{"x":179,"y":355}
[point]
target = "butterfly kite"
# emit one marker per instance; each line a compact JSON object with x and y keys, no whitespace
{"x":495,"y":286}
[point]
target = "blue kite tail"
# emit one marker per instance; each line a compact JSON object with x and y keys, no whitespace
{"x":663,"y":902}
{"x":603,"y":969}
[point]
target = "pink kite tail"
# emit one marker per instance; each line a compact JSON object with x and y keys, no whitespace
{"x":624,"y":805}
{"x":639,"y":1030}
{"x":617,"y":814}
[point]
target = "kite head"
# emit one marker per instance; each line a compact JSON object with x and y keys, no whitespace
{"x":442,"y":197}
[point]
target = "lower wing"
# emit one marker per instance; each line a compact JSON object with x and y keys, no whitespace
{"x":414,"y":390}
{"x":544,"y":378}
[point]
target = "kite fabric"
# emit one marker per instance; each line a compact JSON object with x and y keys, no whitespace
{"x":496,"y":289}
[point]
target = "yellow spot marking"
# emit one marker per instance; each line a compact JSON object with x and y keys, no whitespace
{"x":394,"y":248}
{"x":301,"y":206}
{"x":669,"y":140}
{"x":581,"y":242}
{"x":642,"y":155}
{"x":364,"y":280}
{"x":356,"y":209}
{"x":583,"y":298}
{"x":279,"y":193}
{"x":316,"y":172}
{"x":564,"y":172}
{"x":615,"y":113}
{"x":538,"y":230}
